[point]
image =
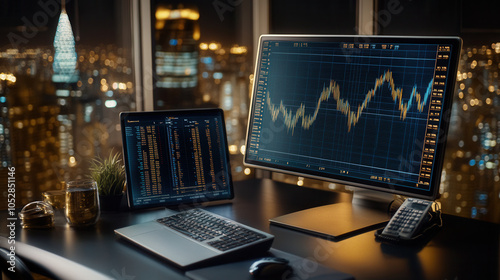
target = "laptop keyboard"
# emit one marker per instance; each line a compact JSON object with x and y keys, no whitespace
{"x":217,"y":232}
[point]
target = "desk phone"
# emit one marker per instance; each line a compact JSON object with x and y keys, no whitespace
{"x":408,"y":220}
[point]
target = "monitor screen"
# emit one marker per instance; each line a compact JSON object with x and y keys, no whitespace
{"x":175,"y":157}
{"x":371,"y":112}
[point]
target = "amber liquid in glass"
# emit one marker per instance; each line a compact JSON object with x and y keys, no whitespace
{"x":82,"y":206}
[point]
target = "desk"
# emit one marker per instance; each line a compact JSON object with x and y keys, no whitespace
{"x":462,"y":249}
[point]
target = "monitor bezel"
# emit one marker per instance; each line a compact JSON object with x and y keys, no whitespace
{"x":180,"y":112}
{"x":430,"y":194}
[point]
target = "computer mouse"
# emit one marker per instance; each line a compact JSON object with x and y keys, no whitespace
{"x":270,"y":268}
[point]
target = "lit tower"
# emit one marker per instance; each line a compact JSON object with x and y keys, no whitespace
{"x":65,"y":72}
{"x":65,"y":78}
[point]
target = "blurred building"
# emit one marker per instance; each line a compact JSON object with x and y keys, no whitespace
{"x":191,"y":74}
{"x":176,"y":56}
{"x":224,"y":82}
{"x":35,"y":136}
{"x":6,"y":80}
{"x":65,"y":78}
{"x":472,"y":157}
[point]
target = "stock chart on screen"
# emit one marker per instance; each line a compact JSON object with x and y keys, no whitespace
{"x":363,"y":110}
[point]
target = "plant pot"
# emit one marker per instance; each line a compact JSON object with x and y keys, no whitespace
{"x":110,"y":202}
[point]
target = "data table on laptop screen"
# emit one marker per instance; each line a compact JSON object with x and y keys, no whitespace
{"x":367,"y":112}
{"x":174,"y":158}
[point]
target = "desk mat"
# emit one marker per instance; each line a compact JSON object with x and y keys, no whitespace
{"x":302,"y":269}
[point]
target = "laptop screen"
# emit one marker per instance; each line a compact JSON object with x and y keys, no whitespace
{"x":175,"y":157}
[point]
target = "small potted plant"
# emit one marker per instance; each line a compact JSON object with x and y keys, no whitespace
{"x":109,"y":173}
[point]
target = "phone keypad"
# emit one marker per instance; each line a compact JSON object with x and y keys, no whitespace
{"x":408,"y":218}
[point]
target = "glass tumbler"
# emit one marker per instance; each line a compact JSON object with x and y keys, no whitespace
{"x":82,"y":203}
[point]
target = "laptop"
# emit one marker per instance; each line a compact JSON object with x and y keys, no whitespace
{"x":180,"y":158}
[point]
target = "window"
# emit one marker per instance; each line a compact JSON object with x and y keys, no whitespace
{"x":470,"y":181}
{"x":66,"y":73}
{"x":68,"y":70}
{"x":202,"y":57}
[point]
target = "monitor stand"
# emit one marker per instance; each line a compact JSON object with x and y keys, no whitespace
{"x":368,"y":211}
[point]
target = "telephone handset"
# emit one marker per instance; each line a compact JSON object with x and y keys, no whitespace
{"x":408,"y":220}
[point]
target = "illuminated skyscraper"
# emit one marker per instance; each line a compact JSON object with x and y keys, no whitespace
{"x":5,"y":139}
{"x":65,"y":56}
{"x":65,"y":78}
{"x":176,"y":56}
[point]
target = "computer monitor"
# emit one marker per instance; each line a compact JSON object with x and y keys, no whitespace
{"x":364,"y":111}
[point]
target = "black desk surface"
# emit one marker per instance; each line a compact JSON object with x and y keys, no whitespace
{"x":462,"y":249}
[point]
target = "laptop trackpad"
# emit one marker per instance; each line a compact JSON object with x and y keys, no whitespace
{"x":164,"y":241}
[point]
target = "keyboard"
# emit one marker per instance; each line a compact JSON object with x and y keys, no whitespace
{"x":197,"y":237}
{"x":217,"y":232}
